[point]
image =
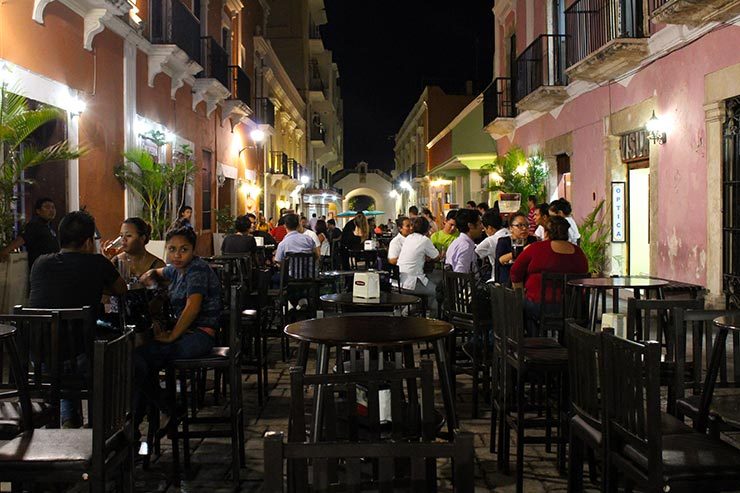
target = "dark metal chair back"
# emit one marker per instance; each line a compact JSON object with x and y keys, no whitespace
{"x":631,"y":392}
{"x":512,"y":314}
{"x":585,"y":368}
{"x":555,"y":299}
{"x":298,"y":267}
{"x":335,"y":251}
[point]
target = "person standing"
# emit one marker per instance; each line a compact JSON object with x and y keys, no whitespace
{"x":312,"y":222}
{"x":38,"y":235}
{"x":184,"y":217}
{"x":562,"y":208}
{"x":461,"y":254}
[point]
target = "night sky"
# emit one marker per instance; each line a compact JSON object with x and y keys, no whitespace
{"x":387,"y":51}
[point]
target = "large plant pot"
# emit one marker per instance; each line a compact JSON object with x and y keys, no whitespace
{"x":156,"y":247}
{"x":218,"y":239}
{"x":13,"y":281}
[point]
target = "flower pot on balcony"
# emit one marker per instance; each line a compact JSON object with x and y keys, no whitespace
{"x":13,"y":281}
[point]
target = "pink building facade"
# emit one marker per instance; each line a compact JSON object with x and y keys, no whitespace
{"x":582,"y":96}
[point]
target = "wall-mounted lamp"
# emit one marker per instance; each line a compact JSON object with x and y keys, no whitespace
{"x":406,"y":185}
{"x":656,"y":130}
{"x":76,"y":106}
{"x":257,"y":135}
{"x":305,"y":179}
{"x":393,"y":194}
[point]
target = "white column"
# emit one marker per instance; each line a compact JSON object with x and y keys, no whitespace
{"x":129,"y":111}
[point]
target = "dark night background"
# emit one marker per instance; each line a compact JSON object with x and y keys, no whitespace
{"x":387,"y":51}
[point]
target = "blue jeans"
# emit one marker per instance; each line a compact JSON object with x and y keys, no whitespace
{"x":149,"y":359}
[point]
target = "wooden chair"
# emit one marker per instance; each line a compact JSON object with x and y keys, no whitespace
{"x":298,"y":279}
{"x":652,"y":320}
{"x":524,"y":363}
{"x":335,"y":251}
{"x":699,"y":323}
{"x":38,"y":385}
{"x":472,"y":320}
{"x":364,"y":411}
{"x":639,"y":451}
{"x":92,"y":455}
{"x":59,"y":354}
{"x":557,"y":300}
{"x":227,"y":360}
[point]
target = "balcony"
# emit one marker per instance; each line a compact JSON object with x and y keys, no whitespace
{"x":318,"y":134}
{"x":605,"y":38}
{"x":499,"y":110}
{"x":212,"y":85}
{"x":541,"y":80}
{"x":175,"y":32}
{"x":237,"y":107}
{"x":316,"y":44}
{"x":265,"y":111}
{"x":693,"y":12}
{"x":278,"y":164}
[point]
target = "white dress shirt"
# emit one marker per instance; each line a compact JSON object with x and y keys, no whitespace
{"x":573,"y":234}
{"x":487,"y":248}
{"x":461,"y":254}
{"x":394,"y":247}
{"x":414,"y":251}
{"x":313,"y":236}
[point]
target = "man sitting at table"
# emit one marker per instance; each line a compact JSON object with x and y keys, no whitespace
{"x":73,"y":278}
{"x":417,"y":248}
{"x":294,"y":242}
{"x":443,"y":238}
{"x":394,"y":247}
{"x":493,"y":227}
{"x":461,"y":254}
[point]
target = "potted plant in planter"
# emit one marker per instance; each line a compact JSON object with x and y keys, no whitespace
{"x":595,"y":233}
{"x":17,"y":123}
{"x":225,"y":224}
{"x":155,"y":185}
{"x":515,"y":172}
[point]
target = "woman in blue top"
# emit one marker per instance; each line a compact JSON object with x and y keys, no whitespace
{"x":195,"y":298}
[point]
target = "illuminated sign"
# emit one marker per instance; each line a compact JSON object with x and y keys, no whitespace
{"x":619,"y":212}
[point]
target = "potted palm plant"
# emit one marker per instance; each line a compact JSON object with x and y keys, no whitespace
{"x":159,"y":187}
{"x":18,"y":121}
{"x":515,"y":172}
{"x":225,"y":224}
{"x":595,"y":233}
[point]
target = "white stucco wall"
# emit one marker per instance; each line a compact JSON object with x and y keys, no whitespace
{"x":375,"y":186}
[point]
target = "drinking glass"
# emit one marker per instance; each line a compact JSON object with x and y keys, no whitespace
{"x":517,"y":247}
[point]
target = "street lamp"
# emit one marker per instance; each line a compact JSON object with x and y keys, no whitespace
{"x":257,"y":135}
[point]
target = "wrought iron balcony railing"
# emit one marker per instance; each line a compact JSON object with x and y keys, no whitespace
{"x":264,"y":111}
{"x":173,"y":23}
{"x":278,"y":163}
{"x":241,"y":85}
{"x":498,"y":100}
{"x":541,"y":64}
{"x":591,"y":24}
{"x":215,"y":61}
{"x":318,"y":133}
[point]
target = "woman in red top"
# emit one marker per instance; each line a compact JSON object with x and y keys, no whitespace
{"x":554,"y":255}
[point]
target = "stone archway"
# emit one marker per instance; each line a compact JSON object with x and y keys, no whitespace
{"x":369,"y":192}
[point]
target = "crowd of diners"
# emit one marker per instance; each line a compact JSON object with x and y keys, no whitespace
{"x":512,"y":249}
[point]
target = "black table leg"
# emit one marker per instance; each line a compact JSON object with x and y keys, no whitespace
{"x":718,"y":351}
{"x":444,"y":379}
{"x":322,"y":368}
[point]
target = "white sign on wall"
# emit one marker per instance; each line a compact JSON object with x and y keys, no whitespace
{"x":619,"y":212}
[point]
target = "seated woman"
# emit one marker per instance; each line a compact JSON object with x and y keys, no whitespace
{"x":135,"y":234}
{"x":195,"y":298}
{"x":554,"y":255}
{"x":325,"y":246}
{"x":241,"y":241}
{"x":505,"y":252}
{"x":354,"y":234}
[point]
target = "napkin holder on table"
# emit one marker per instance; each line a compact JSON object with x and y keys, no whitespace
{"x":260,"y":241}
{"x":366,"y":285}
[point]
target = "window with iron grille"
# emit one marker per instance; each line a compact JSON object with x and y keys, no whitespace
{"x":731,"y":203}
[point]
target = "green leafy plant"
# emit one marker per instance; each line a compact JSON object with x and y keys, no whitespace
{"x":225,"y":220}
{"x":595,"y":233}
{"x":154,"y":184}
{"x":515,"y":172}
{"x":17,"y":153}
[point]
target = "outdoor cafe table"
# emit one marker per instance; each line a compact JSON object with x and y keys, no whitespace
{"x":599,"y":285}
{"x":386,"y":300}
{"x":338,"y":276}
{"x":374,"y":331}
{"x":727,"y":407}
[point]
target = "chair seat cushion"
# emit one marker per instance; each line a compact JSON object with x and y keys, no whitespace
{"x":66,"y":448}
{"x":693,"y":456}
{"x":669,"y":425}
{"x":546,"y":355}
{"x":541,"y":342}
{"x":10,"y":417}
{"x":219,"y":356}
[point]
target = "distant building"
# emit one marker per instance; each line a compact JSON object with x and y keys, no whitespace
{"x":372,"y":183}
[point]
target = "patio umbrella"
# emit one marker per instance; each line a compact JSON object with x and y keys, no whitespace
{"x":373,"y":213}
{"x":346,"y":214}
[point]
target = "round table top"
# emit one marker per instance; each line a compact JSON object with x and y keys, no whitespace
{"x":389,"y":300}
{"x":6,"y":330}
{"x":729,"y":322}
{"x":618,"y":282}
{"x":369,"y":330}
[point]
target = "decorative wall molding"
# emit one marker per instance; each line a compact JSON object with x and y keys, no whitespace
{"x":93,"y":12}
{"x":235,"y":6}
{"x":211,"y":91}
{"x":174,"y":62}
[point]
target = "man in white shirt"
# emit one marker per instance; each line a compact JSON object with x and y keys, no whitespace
{"x":310,"y":233}
{"x":461,"y":253}
{"x":394,"y":248}
{"x":562,"y":208}
{"x":417,"y":248}
{"x":493,"y":226}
